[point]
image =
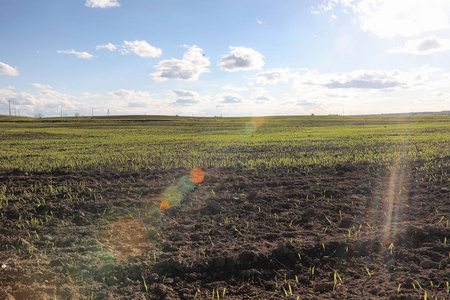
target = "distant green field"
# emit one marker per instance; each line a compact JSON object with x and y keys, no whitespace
{"x":136,"y":143}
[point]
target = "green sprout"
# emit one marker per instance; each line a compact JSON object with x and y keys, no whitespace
{"x":145,"y":284}
{"x":391,"y":247}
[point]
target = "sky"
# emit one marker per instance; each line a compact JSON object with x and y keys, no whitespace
{"x":223,"y":57}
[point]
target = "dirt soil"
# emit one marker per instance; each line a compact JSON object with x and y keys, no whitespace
{"x":347,"y":232}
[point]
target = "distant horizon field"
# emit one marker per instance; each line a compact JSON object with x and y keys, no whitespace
{"x":166,"y":142}
{"x":6,"y":117}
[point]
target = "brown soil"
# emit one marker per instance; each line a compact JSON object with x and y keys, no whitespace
{"x":348,"y":232}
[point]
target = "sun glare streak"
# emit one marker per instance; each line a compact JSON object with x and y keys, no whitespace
{"x":389,"y":207}
{"x":396,"y":183}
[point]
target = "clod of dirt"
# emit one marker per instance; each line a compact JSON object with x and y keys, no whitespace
{"x":81,"y":221}
{"x":284,"y":249}
{"x":427,"y":264}
{"x":219,"y":262}
{"x":154,"y":277}
{"x":322,"y":287}
{"x":308,"y":214}
{"x":231,"y":262}
{"x":346,"y":222}
{"x":213,"y":208}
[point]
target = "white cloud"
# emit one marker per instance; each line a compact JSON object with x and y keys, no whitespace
{"x":132,"y":98}
{"x":428,"y":45}
{"x":330,"y":4}
{"x":363,"y":79}
{"x":141,"y":48}
{"x":273,"y":76}
{"x":261,"y":94}
{"x":40,"y":86}
{"x":83,"y":55}
{"x":22,"y":98}
{"x":373,"y":91}
{"x":52,"y":98}
{"x":390,"y":18}
{"x":234,"y":88}
{"x":190,"y":67}
{"x":109,"y":46}
{"x":186,"y":97}
{"x":102,"y":3}
{"x":16,"y":98}
{"x":48,"y":102}
{"x":308,"y":104}
{"x":130,"y":94}
{"x":42,"y":99}
{"x":241,"y":58}
{"x":7,"y":70}
{"x":186,"y":101}
{"x":185,"y":93}
{"x":230,"y":98}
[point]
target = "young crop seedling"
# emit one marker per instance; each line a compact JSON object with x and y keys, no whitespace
{"x":145,"y":284}
{"x":336,"y":277}
{"x":418,"y":284}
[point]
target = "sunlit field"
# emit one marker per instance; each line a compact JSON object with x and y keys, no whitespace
{"x":159,"y":207}
{"x":163,"y":143}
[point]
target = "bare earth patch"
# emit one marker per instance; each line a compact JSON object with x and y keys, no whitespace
{"x":344,"y":232}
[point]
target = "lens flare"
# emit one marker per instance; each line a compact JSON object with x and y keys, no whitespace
{"x":164,"y":204}
{"x":130,"y":234}
{"x":125,"y":238}
{"x":258,"y":121}
{"x":252,"y":126}
{"x":197,"y":175}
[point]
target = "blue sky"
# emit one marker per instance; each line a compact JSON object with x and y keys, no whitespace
{"x":233,"y":57}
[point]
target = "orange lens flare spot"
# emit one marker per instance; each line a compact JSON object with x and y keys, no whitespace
{"x":197,"y":175}
{"x":164,"y":204}
{"x":258,"y":121}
